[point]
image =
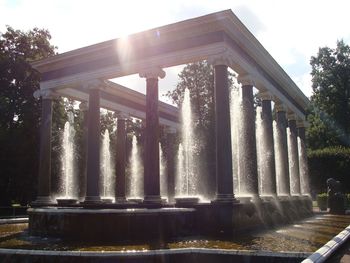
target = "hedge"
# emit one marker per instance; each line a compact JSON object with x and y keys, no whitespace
{"x":326,"y":163}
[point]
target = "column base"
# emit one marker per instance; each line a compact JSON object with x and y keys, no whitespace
{"x":120,"y":200}
{"x":92,"y":200}
{"x":225,"y":198}
{"x":43,"y":201}
{"x":153,"y":200}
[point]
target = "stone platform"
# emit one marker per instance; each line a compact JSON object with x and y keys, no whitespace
{"x":124,"y":225}
{"x":112,"y":223}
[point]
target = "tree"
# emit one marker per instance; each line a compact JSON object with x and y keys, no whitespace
{"x":20,"y":112}
{"x":330,"y":113}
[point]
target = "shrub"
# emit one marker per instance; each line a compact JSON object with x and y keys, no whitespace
{"x":322,"y":201}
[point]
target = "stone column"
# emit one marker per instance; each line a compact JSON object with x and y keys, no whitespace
{"x":170,"y":145}
{"x":120,"y":187}
{"x":282,"y":171}
{"x":93,"y":144}
{"x":249,"y":166}
{"x":44,"y":179}
{"x":303,"y":164}
{"x":151,"y":150}
{"x":82,"y":179}
{"x":268,"y":168}
{"x":224,"y":177}
{"x":293,"y":156}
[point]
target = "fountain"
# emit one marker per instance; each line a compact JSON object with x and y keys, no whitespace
{"x":162,"y":173}
{"x":68,"y":188}
{"x":235,"y":109}
{"x":187,"y":183}
{"x":135,"y":184}
{"x":107,"y":171}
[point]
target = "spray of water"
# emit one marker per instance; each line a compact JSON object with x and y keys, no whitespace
{"x":136,"y":171}
{"x":107,"y":171}
{"x":162,"y":171}
{"x":68,"y":178}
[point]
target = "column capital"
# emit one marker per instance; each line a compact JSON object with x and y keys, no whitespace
{"x":84,"y":106}
{"x":265,"y":95}
{"x":122,"y":115}
{"x":152,"y":73}
{"x":224,"y":58}
{"x":45,"y":94}
{"x":280,"y":107}
{"x":246,"y":80}
{"x":302,"y":124}
{"x":171,"y":130}
{"x":94,"y":84}
{"x":291,"y":116}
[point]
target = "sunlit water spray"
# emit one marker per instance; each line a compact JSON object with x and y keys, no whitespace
{"x":68,"y":173}
{"x":136,"y":171}
{"x":107,"y":171}
{"x":186,"y":177}
{"x":162,"y":171}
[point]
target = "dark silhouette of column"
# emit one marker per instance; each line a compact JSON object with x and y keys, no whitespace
{"x":303,"y":165}
{"x":93,"y":144}
{"x":151,"y":150}
{"x":268,"y":168}
{"x":283,"y":186}
{"x":120,"y":187}
{"x":224,"y":177}
{"x":82,"y":178}
{"x":170,"y":154}
{"x":293,"y":156}
{"x":44,"y":179}
{"x":249,"y":167}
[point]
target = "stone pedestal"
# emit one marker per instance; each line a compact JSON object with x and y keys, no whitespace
{"x":268,"y":185}
{"x":249,"y":166}
{"x":93,"y":145}
{"x":151,"y":157}
{"x":293,"y":156}
{"x":120,"y":187}
{"x":44,"y":179}
{"x":283,"y":187}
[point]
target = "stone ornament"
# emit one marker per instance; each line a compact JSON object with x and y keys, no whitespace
{"x":246,"y":80}
{"x":224,"y":58}
{"x":265,"y":95}
{"x":280,"y":107}
{"x":152,"y":73}
{"x":45,"y":94}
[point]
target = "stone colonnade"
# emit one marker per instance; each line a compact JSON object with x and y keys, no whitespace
{"x":280,"y":172}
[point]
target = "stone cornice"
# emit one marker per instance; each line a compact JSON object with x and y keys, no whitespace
{"x":291,"y":116}
{"x":122,"y":116}
{"x":280,"y":107}
{"x":94,"y":84}
{"x":152,"y":73}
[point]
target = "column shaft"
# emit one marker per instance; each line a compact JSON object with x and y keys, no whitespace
{"x":249,"y":165}
{"x":151,"y":151}
{"x":93,"y":148}
{"x":293,"y":159}
{"x":224,"y":178}
{"x":283,"y":187}
{"x":268,"y":168}
{"x":303,"y":164}
{"x":120,"y":193}
{"x":44,"y":180}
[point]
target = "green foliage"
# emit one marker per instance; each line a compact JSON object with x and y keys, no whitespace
{"x":329,"y":162}
{"x":20,"y":112}
{"x":330,"y":113}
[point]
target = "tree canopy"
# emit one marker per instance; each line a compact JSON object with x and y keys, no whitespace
{"x":20,"y":112}
{"x":330,"y":113}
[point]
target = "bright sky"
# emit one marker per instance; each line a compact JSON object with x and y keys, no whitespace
{"x":290,"y":30}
